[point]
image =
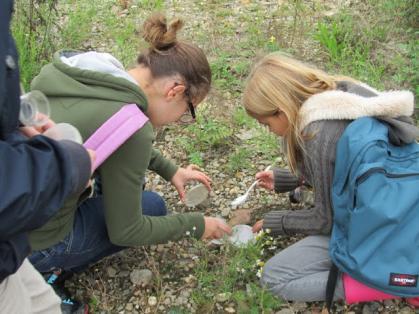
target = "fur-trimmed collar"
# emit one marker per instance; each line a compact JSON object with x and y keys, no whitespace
{"x":340,"y":105}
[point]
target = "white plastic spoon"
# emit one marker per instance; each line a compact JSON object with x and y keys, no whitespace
{"x":243,"y":198}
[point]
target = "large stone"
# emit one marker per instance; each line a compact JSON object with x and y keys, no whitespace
{"x":129,"y":307}
{"x":223,"y":297}
{"x":152,"y":301}
{"x":285,"y":311}
{"x":141,"y":277}
{"x":240,"y":217}
{"x":111,"y":271}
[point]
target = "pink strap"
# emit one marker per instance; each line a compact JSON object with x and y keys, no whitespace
{"x":115,"y":131}
{"x":357,"y":292}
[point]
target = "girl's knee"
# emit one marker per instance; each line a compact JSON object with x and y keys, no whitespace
{"x":153,"y":204}
{"x":273,"y":274}
{"x":161,"y":209}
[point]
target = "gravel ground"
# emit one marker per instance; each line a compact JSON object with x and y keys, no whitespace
{"x":159,"y":279}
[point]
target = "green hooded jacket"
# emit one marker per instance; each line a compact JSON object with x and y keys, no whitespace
{"x":86,"y":98}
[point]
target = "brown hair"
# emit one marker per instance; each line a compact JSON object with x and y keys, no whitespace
{"x":168,"y":56}
{"x":281,"y":83}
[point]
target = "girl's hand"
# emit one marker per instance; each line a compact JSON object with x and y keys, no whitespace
{"x":190,"y":173}
{"x":31,"y":131}
{"x":266,"y":179}
{"x":215,"y":228}
{"x":92,"y":155}
{"x":257,"y":226}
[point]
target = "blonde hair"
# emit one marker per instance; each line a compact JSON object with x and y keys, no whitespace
{"x":279,"y":83}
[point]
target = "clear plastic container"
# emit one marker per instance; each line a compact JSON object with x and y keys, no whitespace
{"x":34,"y":109}
{"x":241,"y":236}
{"x":35,"y":112}
{"x":64,"y":131}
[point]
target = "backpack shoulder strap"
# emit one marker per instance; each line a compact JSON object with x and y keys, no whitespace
{"x":331,"y":287}
{"x":115,"y":131}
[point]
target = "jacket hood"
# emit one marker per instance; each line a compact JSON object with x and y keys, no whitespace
{"x":356,"y":101}
{"x":88,"y":75}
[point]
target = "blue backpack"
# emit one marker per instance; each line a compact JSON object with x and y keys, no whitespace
{"x":375,"y":197}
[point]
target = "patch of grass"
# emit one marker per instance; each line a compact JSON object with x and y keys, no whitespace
{"x":349,"y":51}
{"x":228,"y":276}
{"x":239,"y":159}
{"x":206,"y":135}
{"x":93,"y":304}
{"x":327,"y":35}
{"x":79,"y":22}
{"x":211,"y":133}
{"x":223,"y":73}
{"x":266,"y":144}
{"x":242,"y":119}
{"x":380,"y":49}
{"x":153,"y":5}
{"x":125,"y":37}
{"x":33,"y":27}
{"x":196,"y":158}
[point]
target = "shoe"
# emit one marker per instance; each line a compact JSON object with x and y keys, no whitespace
{"x":57,"y":278}
{"x":71,"y":306}
{"x":68,"y":305}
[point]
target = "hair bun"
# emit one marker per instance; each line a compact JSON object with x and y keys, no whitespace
{"x":158,"y":34}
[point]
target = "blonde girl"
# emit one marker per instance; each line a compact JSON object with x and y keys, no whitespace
{"x":310,"y":109}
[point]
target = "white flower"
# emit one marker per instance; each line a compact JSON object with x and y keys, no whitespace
{"x":188,"y":233}
{"x":193,"y":228}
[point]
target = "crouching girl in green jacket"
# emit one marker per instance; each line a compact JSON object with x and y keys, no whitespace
{"x":85,"y":89}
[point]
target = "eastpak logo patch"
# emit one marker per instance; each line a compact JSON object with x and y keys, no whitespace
{"x":403,"y":280}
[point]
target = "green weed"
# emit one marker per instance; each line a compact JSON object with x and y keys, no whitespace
{"x":206,"y":135}
{"x":93,"y":304}
{"x":239,"y":159}
{"x":226,"y":276}
{"x":33,"y":29}
{"x":196,"y":159}
{"x":266,"y":144}
{"x":209,"y":133}
{"x":242,"y":119}
{"x":78,"y":28}
{"x":222,"y":71}
{"x":327,"y":35}
{"x":153,"y":5}
{"x":356,"y":46}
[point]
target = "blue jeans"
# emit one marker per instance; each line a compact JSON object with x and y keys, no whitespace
{"x":88,"y":242}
